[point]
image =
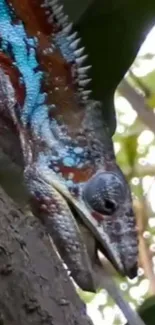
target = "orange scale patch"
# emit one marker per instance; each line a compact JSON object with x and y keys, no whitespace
{"x":78,"y":175}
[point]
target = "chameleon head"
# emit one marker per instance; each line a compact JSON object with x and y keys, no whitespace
{"x":108,"y":199}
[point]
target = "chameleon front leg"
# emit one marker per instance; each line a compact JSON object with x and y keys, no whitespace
{"x":53,"y":211}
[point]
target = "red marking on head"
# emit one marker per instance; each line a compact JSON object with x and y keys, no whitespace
{"x":43,"y":207}
{"x":34,"y":16}
{"x":47,"y":200}
{"x":79,"y":175}
{"x":97,"y":216}
{"x":7,"y":65}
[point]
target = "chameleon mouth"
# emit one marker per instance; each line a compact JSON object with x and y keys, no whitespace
{"x":120,"y":268}
{"x":123,"y":264}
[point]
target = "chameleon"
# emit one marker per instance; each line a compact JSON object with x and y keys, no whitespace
{"x":67,"y":156}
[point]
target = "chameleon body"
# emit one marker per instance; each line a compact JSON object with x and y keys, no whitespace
{"x":68,"y":159}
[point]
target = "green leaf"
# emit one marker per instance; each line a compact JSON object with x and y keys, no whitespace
{"x":86,"y":296}
{"x":149,"y":80}
{"x":130,"y":148}
{"x":147,"y":311}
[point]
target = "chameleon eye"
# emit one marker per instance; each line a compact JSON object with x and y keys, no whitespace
{"x":103,"y":193}
{"x":104,"y":206}
{"x":109,"y":207}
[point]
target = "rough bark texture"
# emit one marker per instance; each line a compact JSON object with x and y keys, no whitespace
{"x":34,"y":287}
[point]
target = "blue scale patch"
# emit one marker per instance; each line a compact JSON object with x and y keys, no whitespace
{"x":78,"y":150}
{"x":69,"y":161}
{"x":24,"y":54}
{"x":68,"y":156}
{"x":23,"y":51}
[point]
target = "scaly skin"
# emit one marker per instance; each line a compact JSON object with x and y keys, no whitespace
{"x":69,"y":163}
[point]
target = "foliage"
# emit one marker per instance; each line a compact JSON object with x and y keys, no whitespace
{"x":112,"y":32}
{"x":147,"y":311}
{"x":135,"y":149}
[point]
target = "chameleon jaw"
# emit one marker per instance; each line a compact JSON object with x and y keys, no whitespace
{"x":115,"y":235}
{"x":52,"y":209}
{"x":121,"y":249}
{"x":121,"y":253}
{"x":124,"y":261}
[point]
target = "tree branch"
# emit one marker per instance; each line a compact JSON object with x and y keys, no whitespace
{"x":34,"y":287}
{"x":138,"y":104}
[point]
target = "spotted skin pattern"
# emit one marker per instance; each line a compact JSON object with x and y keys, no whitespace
{"x":69,"y":163}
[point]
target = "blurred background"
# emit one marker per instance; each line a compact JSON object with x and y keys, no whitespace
{"x":134,"y":143}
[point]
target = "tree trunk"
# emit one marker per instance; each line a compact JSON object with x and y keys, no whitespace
{"x":34,"y":286}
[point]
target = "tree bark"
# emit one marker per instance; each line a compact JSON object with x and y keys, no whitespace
{"x":34,"y":286}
